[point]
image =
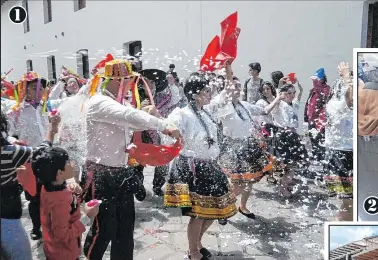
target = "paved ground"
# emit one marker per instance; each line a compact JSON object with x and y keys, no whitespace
{"x":283,"y":230}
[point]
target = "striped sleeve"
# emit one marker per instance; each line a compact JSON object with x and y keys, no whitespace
{"x":21,"y":155}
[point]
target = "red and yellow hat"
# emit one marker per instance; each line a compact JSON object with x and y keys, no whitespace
{"x":20,"y":91}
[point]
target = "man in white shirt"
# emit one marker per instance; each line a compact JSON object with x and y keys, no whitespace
{"x":109,"y":119}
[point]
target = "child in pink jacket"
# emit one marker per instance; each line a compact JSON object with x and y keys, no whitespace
{"x":62,"y":223}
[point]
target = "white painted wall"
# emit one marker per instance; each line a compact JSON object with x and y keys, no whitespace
{"x":292,"y":36}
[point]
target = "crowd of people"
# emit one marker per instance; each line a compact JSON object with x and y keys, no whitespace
{"x":80,"y":173}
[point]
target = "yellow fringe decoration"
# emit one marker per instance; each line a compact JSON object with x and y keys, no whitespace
{"x":94,"y":85}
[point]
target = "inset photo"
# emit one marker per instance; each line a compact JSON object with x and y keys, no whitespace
{"x":366,"y":65}
{"x":351,"y":241}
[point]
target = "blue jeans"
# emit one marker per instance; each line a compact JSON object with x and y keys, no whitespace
{"x":14,"y":241}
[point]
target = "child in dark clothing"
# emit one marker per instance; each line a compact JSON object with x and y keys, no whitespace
{"x":62,"y":223}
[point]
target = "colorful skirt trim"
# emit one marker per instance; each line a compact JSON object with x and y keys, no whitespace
{"x":244,"y":177}
{"x":177,"y":196}
{"x":340,"y":186}
{"x":243,"y":160}
{"x":208,"y":207}
{"x":339,"y":181}
{"x":200,"y":189}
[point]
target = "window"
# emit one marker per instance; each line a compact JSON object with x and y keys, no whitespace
{"x":79,"y":4}
{"x":26,"y":23}
{"x":372,"y":33}
{"x":47,"y":12}
{"x":82,"y":63}
{"x":134,"y":49}
{"x":51,"y":67}
{"x":29,"y":65}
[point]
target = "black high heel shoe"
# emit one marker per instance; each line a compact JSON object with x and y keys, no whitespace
{"x":205,"y":252}
{"x":248,"y":215}
{"x":202,"y":258}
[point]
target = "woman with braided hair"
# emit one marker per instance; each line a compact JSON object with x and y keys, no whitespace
{"x":242,"y":156}
{"x":196,"y":183}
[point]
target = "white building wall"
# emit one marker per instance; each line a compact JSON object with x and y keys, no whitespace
{"x":295,"y":36}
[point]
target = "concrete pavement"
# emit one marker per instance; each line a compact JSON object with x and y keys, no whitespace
{"x":282,"y":230}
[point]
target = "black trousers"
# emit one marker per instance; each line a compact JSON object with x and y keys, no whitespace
{"x":116,"y":218}
{"x":160,"y":175}
{"x":34,"y":207}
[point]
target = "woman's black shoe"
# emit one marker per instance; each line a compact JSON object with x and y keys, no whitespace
{"x":35,"y":234}
{"x":248,"y":215}
{"x":202,"y":258}
{"x":205,"y":252}
{"x":222,"y":222}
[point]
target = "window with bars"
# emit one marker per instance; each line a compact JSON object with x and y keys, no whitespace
{"x":82,"y":63}
{"x":26,"y":23}
{"x":47,"y":11}
{"x":79,"y":4}
{"x":51,"y":67}
{"x":29,"y":65}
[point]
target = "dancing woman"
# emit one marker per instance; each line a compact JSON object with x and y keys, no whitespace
{"x":242,"y":156}
{"x":339,"y":142}
{"x":289,"y":148}
{"x":196,"y":183}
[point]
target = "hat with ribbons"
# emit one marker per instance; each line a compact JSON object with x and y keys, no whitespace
{"x":42,"y":89}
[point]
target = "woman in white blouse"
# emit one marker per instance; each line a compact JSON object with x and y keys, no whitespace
{"x":289,"y":148}
{"x":196,"y":183}
{"x":268,"y":94}
{"x":242,"y":156}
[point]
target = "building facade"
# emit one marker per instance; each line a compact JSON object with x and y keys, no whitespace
{"x":296,"y":36}
{"x":365,"y":249}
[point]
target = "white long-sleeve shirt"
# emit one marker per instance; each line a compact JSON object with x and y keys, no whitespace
{"x":108,"y":124}
{"x":264,"y":118}
{"x":339,"y":127}
{"x":194,"y":135}
{"x":234,"y":126}
{"x":57,"y":92}
{"x":286,"y":116}
{"x":29,"y":123}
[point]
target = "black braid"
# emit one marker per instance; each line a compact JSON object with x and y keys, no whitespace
{"x":257,"y":126}
{"x":240,"y":114}
{"x":210,"y":140}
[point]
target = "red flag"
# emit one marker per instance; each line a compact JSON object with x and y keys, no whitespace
{"x":101,"y":64}
{"x":230,"y":22}
{"x":224,"y":48}
{"x":208,"y":61}
{"x":229,"y":45}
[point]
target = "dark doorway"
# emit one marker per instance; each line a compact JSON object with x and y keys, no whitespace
{"x":372,"y":28}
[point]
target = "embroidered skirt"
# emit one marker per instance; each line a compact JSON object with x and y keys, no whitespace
{"x":243,"y":160}
{"x":200,"y":189}
{"x":339,"y":180}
